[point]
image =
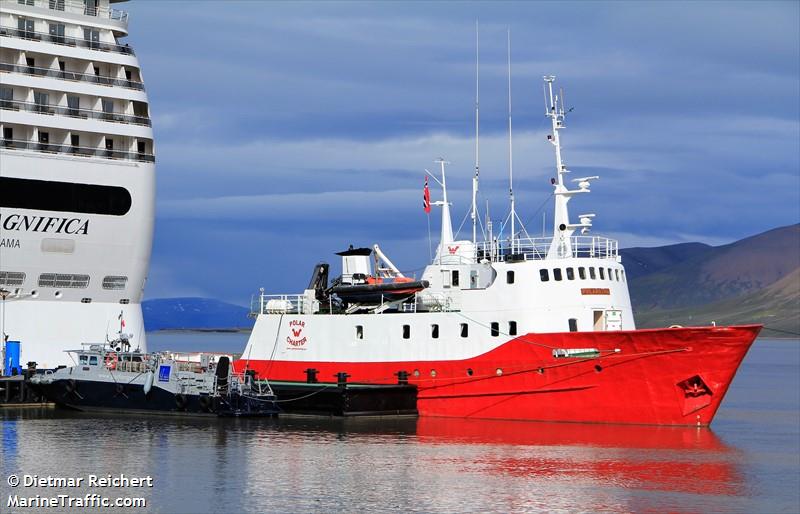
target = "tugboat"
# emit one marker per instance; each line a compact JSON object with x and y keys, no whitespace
{"x":110,"y":377}
{"x":508,"y":327}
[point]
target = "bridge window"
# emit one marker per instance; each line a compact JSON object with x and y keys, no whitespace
{"x":406,"y":331}
{"x":557,"y":274}
{"x":93,"y":360}
{"x":573,"y":325}
{"x":591,"y":273}
{"x":602,"y":273}
{"x":610,"y":275}
{"x":495,"y":329}
{"x":512,"y":328}
{"x":582,"y":273}
{"x":359,"y":331}
{"x":544,"y":275}
{"x":570,"y":274}
{"x":435,"y":331}
{"x":622,"y":274}
{"x":509,"y":277}
{"x":616,"y":274}
{"x":46,"y":195}
{"x":464,"y":330}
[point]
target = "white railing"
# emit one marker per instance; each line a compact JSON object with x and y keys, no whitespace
{"x":280,"y":304}
{"x":536,"y":248}
{"x":73,"y":7}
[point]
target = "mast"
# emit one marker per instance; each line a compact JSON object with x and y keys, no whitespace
{"x":474,"y":213}
{"x":561,"y":246}
{"x":447,"y":226}
{"x":510,"y":150}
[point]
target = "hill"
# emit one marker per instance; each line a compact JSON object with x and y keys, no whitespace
{"x":719,"y":273}
{"x":194,"y":313}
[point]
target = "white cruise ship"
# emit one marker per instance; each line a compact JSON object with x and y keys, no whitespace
{"x":77,"y":177}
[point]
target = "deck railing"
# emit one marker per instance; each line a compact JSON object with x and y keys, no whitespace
{"x":103,"y":80}
{"x":80,"y":151}
{"x":32,"y":35}
{"x":75,"y":7}
{"x":536,"y":248}
{"x":13,"y":105}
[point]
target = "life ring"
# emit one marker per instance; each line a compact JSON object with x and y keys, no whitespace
{"x":111,"y":360}
{"x":180,"y":401}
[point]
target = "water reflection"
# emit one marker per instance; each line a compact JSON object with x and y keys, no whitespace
{"x":413,"y":464}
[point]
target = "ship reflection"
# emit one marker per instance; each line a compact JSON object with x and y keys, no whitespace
{"x":670,"y":459}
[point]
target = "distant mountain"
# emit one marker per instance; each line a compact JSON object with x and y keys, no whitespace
{"x":718,"y":273}
{"x":754,"y":280}
{"x":194,"y":313}
{"x":645,"y":261}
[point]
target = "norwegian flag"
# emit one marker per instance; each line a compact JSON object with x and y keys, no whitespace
{"x":426,"y":198}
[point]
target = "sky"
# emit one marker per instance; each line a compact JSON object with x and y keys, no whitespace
{"x":287,"y":131}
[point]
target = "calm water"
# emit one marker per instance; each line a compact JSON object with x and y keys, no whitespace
{"x":748,"y":462}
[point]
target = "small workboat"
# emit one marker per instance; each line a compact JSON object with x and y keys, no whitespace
{"x":107,"y":377}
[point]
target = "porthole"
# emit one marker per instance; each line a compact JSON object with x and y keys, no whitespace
{"x":499,"y":371}
{"x":58,"y":294}
{"x":433,"y":373}
{"x":416,"y":372}
{"x":469,"y":372}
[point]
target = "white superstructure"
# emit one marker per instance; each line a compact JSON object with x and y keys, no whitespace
{"x":77,"y":177}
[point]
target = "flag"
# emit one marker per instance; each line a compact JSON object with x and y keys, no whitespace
{"x":426,"y":198}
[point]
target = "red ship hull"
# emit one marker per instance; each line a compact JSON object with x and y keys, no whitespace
{"x":674,"y":376}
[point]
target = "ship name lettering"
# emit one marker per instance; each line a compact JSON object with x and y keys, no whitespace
{"x":45,"y":224}
{"x":7,"y":242}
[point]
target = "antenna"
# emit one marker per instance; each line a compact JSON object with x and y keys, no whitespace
{"x":477,"y":147}
{"x":510,"y":149}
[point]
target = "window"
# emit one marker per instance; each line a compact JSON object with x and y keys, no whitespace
{"x":602,"y":273}
{"x":495,"y":329}
{"x":557,"y":274}
{"x":544,"y":275}
{"x":359,"y":331}
{"x":473,"y":279}
{"x":435,"y":331}
{"x":591,"y":273}
{"x":73,"y":105}
{"x":610,"y":276}
{"x":62,"y":65}
{"x":46,"y":195}
{"x":509,"y":277}
{"x":446,"y":276}
{"x":108,"y":105}
{"x":464,"y":330}
{"x":42,"y":100}
{"x":44,"y":137}
{"x":92,"y":38}
{"x":83,"y":360}
{"x":114,"y":283}
{"x":616,"y":274}
{"x":141,"y":147}
{"x":75,"y":140}
{"x":6,"y":98}
{"x":25,"y":2}
{"x":570,"y":274}
{"x":11,"y":278}
{"x":109,"y":145}
{"x":512,"y":328}
{"x":57,"y":5}
{"x":582,"y":273}
{"x":64,"y":280}
{"x":455,"y":278}
{"x":93,"y":360}
{"x":26,"y":27}
{"x":406,"y":331}
{"x":30,"y":61}
{"x":573,"y":325}
{"x":8,"y":133}
{"x":622,"y":274}
{"x":57,"y":32}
